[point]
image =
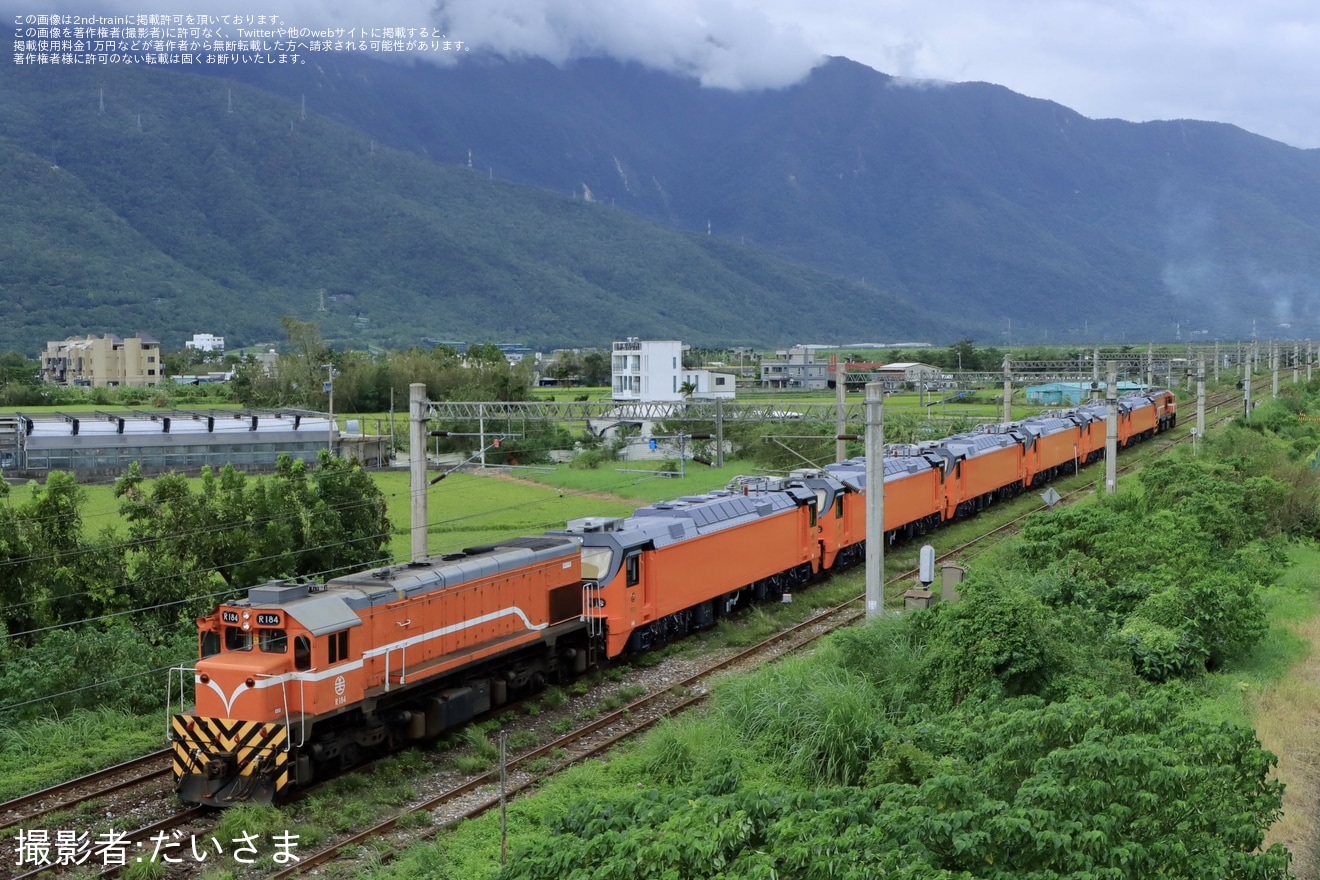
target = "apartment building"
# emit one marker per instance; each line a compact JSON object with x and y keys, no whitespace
{"x":107,"y":360}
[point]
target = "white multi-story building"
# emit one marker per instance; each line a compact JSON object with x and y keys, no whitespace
{"x":206,"y":342}
{"x":647,"y":372}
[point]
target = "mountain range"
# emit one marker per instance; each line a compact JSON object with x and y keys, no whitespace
{"x":521,"y":201}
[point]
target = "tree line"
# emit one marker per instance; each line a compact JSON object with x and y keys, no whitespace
{"x":77,"y":610}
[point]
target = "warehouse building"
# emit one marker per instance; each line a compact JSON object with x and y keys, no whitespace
{"x":106,"y":443}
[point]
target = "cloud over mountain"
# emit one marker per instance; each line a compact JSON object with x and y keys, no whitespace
{"x":721,"y":43}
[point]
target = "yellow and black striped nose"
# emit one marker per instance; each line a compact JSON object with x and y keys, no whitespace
{"x":219,"y":761}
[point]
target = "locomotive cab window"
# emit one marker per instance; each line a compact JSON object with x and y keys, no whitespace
{"x":210,"y":644}
{"x":237,"y":640}
{"x":273,"y":641}
{"x":302,"y":653}
{"x":838,"y":507}
{"x":811,"y":505}
{"x":338,"y":646}
{"x":633,"y":565}
{"x":596,"y":562}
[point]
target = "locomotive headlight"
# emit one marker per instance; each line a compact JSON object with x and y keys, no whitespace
{"x":250,"y":683}
{"x":204,"y":678}
{"x":246,"y":615}
{"x":247,"y":626}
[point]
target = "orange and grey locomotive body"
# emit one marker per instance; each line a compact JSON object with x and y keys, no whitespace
{"x":677,"y":566}
{"x":297,"y":680}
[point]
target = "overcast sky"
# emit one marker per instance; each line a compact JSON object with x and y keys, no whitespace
{"x":1254,"y":63}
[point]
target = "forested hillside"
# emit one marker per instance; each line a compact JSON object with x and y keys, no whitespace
{"x":169,"y":214}
{"x":968,"y":198}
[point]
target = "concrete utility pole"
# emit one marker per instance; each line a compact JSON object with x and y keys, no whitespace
{"x":1150,"y":364}
{"x":481,"y":431}
{"x":1008,"y":388}
{"x":719,"y":432}
{"x":840,"y":410}
{"x":1309,"y":360}
{"x":1111,"y":430}
{"x":1095,"y":375}
{"x":330,"y":428}
{"x":417,"y":468}
{"x":1200,"y":398}
{"x":875,"y":499}
{"x":1274,"y":370}
{"x":1296,"y":364}
{"x":1246,"y":392}
{"x":1216,"y":361}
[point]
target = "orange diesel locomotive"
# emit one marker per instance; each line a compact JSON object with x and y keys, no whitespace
{"x":296,"y":681}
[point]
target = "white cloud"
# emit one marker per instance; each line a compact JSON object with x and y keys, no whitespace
{"x":721,"y":43}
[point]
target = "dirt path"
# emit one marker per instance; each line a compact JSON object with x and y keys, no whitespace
{"x":1287,"y":721}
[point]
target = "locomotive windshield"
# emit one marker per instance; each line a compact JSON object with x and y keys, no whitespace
{"x":237,"y":640}
{"x":596,"y":562}
{"x":273,"y":641}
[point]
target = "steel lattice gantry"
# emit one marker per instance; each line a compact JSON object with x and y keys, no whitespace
{"x":695,"y":411}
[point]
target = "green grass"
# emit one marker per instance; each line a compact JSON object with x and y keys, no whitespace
{"x":466,"y":510}
{"x":1231,"y":696}
{"x":521,"y":741}
{"x":357,"y":800}
{"x":554,"y":697}
{"x":38,"y":754}
{"x":480,"y":744}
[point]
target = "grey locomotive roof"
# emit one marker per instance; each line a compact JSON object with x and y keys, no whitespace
{"x":323,"y":613}
{"x":1098,"y":409}
{"x":853,"y":471}
{"x":698,"y":514}
{"x":972,"y":445}
{"x":670,"y":522}
{"x":363,"y":589}
{"x":1043,"y":427}
{"x":334,"y":607}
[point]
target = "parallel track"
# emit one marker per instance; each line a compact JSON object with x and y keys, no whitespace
{"x":69,"y":795}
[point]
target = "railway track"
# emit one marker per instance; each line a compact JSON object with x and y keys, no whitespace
{"x":69,"y":795}
{"x":480,"y":793}
{"x":133,"y":846}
